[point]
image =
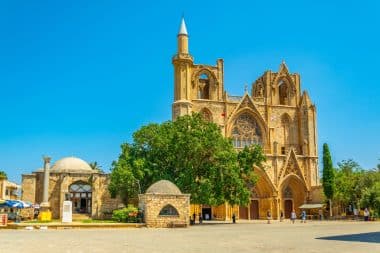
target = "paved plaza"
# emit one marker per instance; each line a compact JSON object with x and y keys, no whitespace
{"x":255,"y":236}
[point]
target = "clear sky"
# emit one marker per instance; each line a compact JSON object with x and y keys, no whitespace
{"x":79,"y":77}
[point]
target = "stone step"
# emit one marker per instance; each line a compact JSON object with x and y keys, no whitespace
{"x":80,"y":216}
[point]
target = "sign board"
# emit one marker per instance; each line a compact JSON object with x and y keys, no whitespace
{"x":67,"y":211}
{"x":3,"y":220}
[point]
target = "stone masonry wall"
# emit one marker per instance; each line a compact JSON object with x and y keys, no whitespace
{"x":153,"y":203}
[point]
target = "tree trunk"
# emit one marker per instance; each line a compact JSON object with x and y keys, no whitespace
{"x":330,"y":203}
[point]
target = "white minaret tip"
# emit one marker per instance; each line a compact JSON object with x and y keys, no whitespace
{"x":182,"y":29}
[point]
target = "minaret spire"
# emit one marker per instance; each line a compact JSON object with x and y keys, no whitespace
{"x":183,"y":39}
{"x":182,"y":28}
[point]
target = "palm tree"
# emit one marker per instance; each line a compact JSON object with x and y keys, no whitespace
{"x":96,"y":166}
{"x":3,"y":175}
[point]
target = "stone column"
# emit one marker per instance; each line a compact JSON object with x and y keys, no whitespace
{"x":3,"y":189}
{"x":45,"y":197}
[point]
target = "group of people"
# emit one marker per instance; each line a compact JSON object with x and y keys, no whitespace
{"x":293,"y":216}
{"x":192,"y":219}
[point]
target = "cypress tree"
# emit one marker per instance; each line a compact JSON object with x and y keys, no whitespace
{"x":328,"y":182}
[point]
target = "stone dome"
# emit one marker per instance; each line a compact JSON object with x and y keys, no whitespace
{"x":71,"y":164}
{"x":163,"y":187}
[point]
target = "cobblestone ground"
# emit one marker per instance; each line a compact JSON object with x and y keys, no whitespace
{"x":257,"y":236}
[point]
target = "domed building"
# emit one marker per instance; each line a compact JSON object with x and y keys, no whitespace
{"x":73,"y":179}
{"x":164,"y":205}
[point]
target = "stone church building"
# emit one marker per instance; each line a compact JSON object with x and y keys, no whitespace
{"x":277,"y":115}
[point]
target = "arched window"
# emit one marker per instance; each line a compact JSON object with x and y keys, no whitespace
{"x":206,"y":114}
{"x":169,"y":210}
{"x":283,"y":89}
{"x":203,"y":86}
{"x":246,"y":131}
{"x":285,"y":123}
{"x":288,"y":193}
{"x":81,"y":196}
{"x":259,"y":90}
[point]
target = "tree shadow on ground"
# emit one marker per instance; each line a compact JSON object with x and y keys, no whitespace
{"x":373,"y":237}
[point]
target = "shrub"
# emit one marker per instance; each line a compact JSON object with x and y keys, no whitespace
{"x":127,"y":214}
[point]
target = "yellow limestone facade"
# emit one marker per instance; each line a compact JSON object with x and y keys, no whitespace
{"x":276,"y":114}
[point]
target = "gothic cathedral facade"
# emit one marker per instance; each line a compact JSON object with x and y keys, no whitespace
{"x":276,"y":115}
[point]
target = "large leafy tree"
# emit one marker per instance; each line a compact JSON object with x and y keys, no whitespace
{"x":194,"y":155}
{"x":349,"y":177}
{"x":356,"y":186}
{"x":328,"y":181}
{"x":3,"y":175}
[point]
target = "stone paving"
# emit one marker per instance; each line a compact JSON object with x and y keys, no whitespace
{"x":255,"y":236}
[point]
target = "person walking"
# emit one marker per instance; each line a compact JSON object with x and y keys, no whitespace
{"x":281,"y":216}
{"x":269,"y":216}
{"x":356,"y":213}
{"x":303,"y":216}
{"x":293,"y":216}
{"x":320,"y":213}
{"x":366,"y":214}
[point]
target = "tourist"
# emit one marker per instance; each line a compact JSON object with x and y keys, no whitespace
{"x":366,"y":214}
{"x":281,"y":216}
{"x":269,"y":216}
{"x":303,"y":216}
{"x":356,"y":214}
{"x":320,"y":213}
{"x":293,"y":216}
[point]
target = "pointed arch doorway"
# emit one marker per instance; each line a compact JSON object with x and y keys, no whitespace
{"x":254,"y":209}
{"x":288,"y":204}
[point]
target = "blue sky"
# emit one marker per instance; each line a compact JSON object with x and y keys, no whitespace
{"x":79,"y":77}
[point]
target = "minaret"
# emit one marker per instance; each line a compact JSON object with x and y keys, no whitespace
{"x":183,"y":63}
{"x":183,"y":39}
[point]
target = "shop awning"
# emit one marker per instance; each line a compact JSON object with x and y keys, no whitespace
{"x":311,"y":206}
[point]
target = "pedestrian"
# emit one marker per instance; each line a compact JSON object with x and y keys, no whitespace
{"x":366,"y":214}
{"x":200,"y":218}
{"x":233,"y":218}
{"x":293,"y":216}
{"x":356,"y":213}
{"x":281,"y":216}
{"x":303,"y":216}
{"x":320,"y":213}
{"x":269,"y":216}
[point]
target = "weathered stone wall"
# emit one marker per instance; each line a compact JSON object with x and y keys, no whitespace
{"x":103,"y":204}
{"x":153,"y":203}
{"x":28,"y":186}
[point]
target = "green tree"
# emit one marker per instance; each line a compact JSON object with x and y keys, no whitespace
{"x":194,"y":155}
{"x":328,"y":176}
{"x":3,"y":175}
{"x":349,"y":183}
{"x":371,"y":198}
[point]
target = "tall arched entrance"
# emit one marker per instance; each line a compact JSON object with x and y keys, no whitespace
{"x":293,"y":194}
{"x":81,"y":197}
{"x":261,"y":199}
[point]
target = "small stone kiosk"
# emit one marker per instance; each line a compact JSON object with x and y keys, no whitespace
{"x":164,"y":205}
